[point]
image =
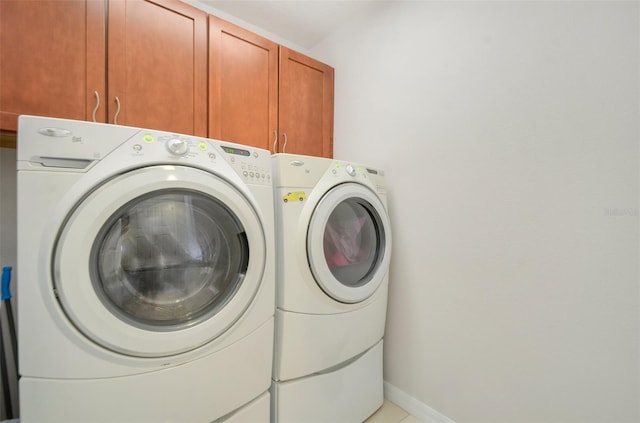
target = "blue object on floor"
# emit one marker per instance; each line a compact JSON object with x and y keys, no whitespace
{"x":6,"y":303}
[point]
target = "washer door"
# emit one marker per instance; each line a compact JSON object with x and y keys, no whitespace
{"x":349,"y":243}
{"x":159,"y":260}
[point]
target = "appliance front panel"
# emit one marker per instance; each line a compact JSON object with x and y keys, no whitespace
{"x":159,"y":260}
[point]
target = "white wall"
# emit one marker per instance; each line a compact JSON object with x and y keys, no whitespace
{"x":509,"y":133}
{"x":246,"y":25}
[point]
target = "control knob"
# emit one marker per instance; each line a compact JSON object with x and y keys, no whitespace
{"x":350,"y":170}
{"x":177,"y":146}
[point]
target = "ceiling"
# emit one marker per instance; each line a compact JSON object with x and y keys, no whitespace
{"x":303,"y":22}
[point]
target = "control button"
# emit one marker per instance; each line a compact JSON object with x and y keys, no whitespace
{"x":202,"y":146}
{"x":245,"y":173}
{"x":350,"y":170}
{"x":137,"y":148}
{"x":212,"y":156}
{"x":251,"y":174}
{"x":148,"y":138}
{"x":255,"y":154}
{"x":177,"y":146}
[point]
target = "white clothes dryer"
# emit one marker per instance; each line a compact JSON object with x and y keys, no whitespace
{"x":334,"y":246}
{"x":146,"y":275}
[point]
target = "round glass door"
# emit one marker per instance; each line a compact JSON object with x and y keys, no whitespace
{"x":169,"y":258}
{"x":159,"y":260}
{"x":348,"y":244}
{"x":353,"y":242}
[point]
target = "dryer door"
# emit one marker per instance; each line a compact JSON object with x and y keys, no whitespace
{"x":159,"y":260}
{"x":349,"y":243}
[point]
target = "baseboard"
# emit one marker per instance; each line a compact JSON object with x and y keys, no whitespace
{"x":415,"y":407}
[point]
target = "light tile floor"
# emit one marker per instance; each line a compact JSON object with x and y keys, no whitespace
{"x":391,"y":413}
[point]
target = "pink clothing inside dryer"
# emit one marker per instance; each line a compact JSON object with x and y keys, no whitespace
{"x":342,"y":245}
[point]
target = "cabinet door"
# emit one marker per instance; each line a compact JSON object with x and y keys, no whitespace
{"x":305,"y":105}
{"x":52,"y":59}
{"x":157,"y":65}
{"x":243,"y":86}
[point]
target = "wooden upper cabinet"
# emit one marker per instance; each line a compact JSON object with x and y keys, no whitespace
{"x":54,"y":62}
{"x":166,"y":65}
{"x":305,"y":105}
{"x":157,"y":65}
{"x":261,"y":94}
{"x":243,"y":86}
{"x":52,"y":59}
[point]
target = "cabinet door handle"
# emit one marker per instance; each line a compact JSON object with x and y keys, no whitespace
{"x":95,"y":109}
{"x":115,"y":116}
{"x":275,"y":141}
{"x":284,"y":146}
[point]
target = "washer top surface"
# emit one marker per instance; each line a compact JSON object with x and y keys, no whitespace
{"x":50,"y":144}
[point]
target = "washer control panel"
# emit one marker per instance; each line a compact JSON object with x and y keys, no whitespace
{"x":251,"y":164}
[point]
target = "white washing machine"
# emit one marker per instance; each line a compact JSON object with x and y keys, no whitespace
{"x":334,"y":246}
{"x":146,"y":275}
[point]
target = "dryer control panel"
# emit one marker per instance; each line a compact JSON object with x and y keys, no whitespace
{"x":357,"y":172}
